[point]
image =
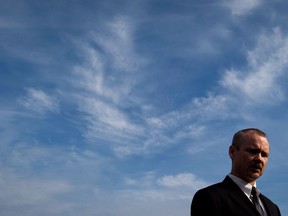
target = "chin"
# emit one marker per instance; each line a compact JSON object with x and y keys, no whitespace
{"x":255,"y":176}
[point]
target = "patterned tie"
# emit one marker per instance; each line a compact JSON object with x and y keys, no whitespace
{"x":255,"y":199}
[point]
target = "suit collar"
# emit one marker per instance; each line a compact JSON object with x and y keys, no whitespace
{"x":244,"y":186}
{"x":238,"y":196}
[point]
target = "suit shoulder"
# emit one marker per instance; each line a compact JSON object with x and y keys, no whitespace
{"x":218,"y":189}
{"x":213,"y":187}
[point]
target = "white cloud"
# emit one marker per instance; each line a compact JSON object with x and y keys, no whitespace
{"x":107,"y":121}
{"x":261,"y":83}
{"x":39,"y":101}
{"x":211,"y":107}
{"x":267,"y":63}
{"x":106,"y":79}
{"x":181,"y":126}
{"x":106,"y":93}
{"x":91,"y":77}
{"x":242,"y":7}
{"x":117,"y":41}
{"x":190,"y":131}
{"x":182,"y":179}
{"x":106,"y":82}
{"x":110,"y":63}
{"x":170,"y":187}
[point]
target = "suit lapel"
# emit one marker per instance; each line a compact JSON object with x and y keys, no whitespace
{"x":238,"y":197}
{"x":265,"y":203}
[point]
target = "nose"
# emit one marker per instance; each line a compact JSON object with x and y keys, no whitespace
{"x":258,"y":156}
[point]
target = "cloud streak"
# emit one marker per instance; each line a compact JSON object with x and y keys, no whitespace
{"x":182,"y":179}
{"x":242,"y":7}
{"x":106,"y":118}
{"x":106,"y":85}
{"x":39,"y":101}
{"x":261,"y":82}
{"x":176,"y":187}
{"x":20,"y":190}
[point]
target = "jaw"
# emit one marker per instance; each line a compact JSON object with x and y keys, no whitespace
{"x":250,"y":174}
{"x":255,"y":174}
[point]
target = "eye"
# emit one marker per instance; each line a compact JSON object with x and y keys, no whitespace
{"x":265,"y":154}
{"x":253,"y":151}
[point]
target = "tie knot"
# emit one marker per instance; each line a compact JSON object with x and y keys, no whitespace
{"x":255,"y":192}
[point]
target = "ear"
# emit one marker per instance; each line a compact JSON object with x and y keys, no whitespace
{"x":232,"y":151}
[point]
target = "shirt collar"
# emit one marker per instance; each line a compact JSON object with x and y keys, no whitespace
{"x":244,"y":186}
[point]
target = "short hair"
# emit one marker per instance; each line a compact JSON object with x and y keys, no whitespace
{"x":238,"y":136}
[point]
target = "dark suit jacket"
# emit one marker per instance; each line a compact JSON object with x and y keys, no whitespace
{"x":227,"y":199}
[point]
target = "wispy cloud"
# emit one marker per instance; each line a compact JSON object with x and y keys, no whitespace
{"x":20,"y":190}
{"x":118,"y":43}
{"x":106,"y":80}
{"x":212,"y":106}
{"x":106,"y":96}
{"x":106,"y":121}
{"x":182,"y":179}
{"x":39,"y":101}
{"x":179,"y":186}
{"x":242,"y":7}
{"x":267,"y":64}
{"x":259,"y":83}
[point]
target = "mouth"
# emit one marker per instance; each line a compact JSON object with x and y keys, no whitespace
{"x":256,"y":168}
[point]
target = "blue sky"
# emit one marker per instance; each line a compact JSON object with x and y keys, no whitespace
{"x":128,"y":107}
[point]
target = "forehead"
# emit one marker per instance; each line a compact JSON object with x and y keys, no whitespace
{"x":256,"y":141}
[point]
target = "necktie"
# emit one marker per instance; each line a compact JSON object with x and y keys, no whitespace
{"x":255,"y":200}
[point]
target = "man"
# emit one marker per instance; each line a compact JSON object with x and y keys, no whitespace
{"x":236,"y":195}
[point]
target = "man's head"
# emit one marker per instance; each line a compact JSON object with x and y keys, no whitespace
{"x":249,"y":153}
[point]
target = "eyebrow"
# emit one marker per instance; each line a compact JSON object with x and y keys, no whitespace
{"x":257,"y":150}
